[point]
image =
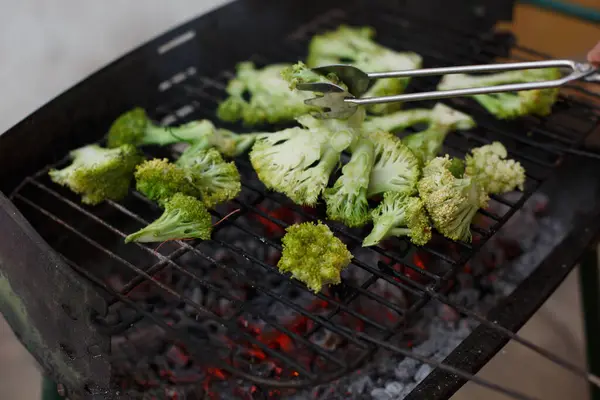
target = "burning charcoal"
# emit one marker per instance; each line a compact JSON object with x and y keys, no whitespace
{"x":360,"y":384}
{"x":381,"y":394}
{"x":326,"y":339}
{"x":394,"y":389}
{"x":406,"y":369}
{"x":422,"y":372}
{"x":176,"y":356}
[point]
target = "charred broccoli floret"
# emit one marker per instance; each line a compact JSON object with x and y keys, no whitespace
{"x":184,"y":217}
{"x":451,"y":202}
{"x":271,"y":100}
{"x":509,"y":105}
{"x":313,"y":255}
{"x":355,"y":45}
{"x":395,"y":167}
{"x":347,"y":199}
{"x":427,"y":144}
{"x":159,"y":180}
{"x":489,"y":166}
{"x":97,"y":173}
{"x":398,"y":120}
{"x":400,"y":215}
{"x":215,"y":179}
{"x":298,"y":161}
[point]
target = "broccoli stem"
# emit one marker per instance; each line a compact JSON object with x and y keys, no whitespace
{"x":166,"y":227}
{"x":398,"y":121}
{"x":381,"y":229}
{"x":427,"y":144}
{"x":191,"y":132}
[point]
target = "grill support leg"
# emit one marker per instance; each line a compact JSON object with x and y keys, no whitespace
{"x":590,"y":294}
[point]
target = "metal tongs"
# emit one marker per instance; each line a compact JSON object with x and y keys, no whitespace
{"x":338,"y":102}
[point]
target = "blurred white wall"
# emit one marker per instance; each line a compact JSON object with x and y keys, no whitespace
{"x":46,"y":46}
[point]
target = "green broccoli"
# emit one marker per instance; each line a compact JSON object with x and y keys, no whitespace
{"x":313,"y":255}
{"x":400,"y":215}
{"x":489,"y":166}
{"x":184,"y":217}
{"x":397,"y":121}
{"x":271,"y":100}
{"x":355,"y":46}
{"x":135,"y":128}
{"x":347,"y":199}
{"x":217,"y":181}
{"x":159,"y":180}
{"x":97,"y":173}
{"x":427,"y":144}
{"x":298,"y":161}
{"x":509,"y":105}
{"x":451,"y":202}
{"x":395,"y":167}
{"x":300,"y":73}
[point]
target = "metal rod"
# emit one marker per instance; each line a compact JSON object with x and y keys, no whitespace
{"x":474,"y":68}
{"x":444,"y":94}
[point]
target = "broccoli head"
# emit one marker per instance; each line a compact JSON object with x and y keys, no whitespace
{"x":347,"y":199}
{"x":489,"y":166}
{"x":135,"y":127}
{"x":355,"y":46}
{"x":451,"y":202}
{"x":159,"y":180}
{"x":216,"y":180}
{"x":298,"y":161}
{"x":509,"y":105}
{"x":299,"y":73}
{"x":395,"y":167}
{"x":400,"y":215}
{"x":271,"y":100}
{"x":313,"y":255}
{"x":184,"y":217}
{"x":442,"y":120}
{"x":99,"y":174}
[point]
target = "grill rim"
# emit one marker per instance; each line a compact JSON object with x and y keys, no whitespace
{"x":10,"y":140}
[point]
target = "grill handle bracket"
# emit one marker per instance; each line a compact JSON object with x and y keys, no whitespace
{"x":46,"y":305}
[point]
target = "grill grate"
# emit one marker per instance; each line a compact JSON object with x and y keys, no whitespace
{"x":228,"y":291}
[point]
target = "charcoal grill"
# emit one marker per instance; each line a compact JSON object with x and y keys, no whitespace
{"x":69,"y":284}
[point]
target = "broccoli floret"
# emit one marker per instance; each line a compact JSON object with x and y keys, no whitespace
{"x":427,"y":144}
{"x":271,"y":100}
{"x":135,"y":128}
{"x":300,"y":73}
{"x":347,"y":199}
{"x":313,"y":255}
{"x":509,"y":105}
{"x":216,"y":180}
{"x":489,"y":166}
{"x":451,"y":202}
{"x":184,"y":217}
{"x":355,"y":46}
{"x":298,"y":161}
{"x":159,"y":180}
{"x":99,"y":174}
{"x":395,"y":167}
{"x":400,"y":215}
